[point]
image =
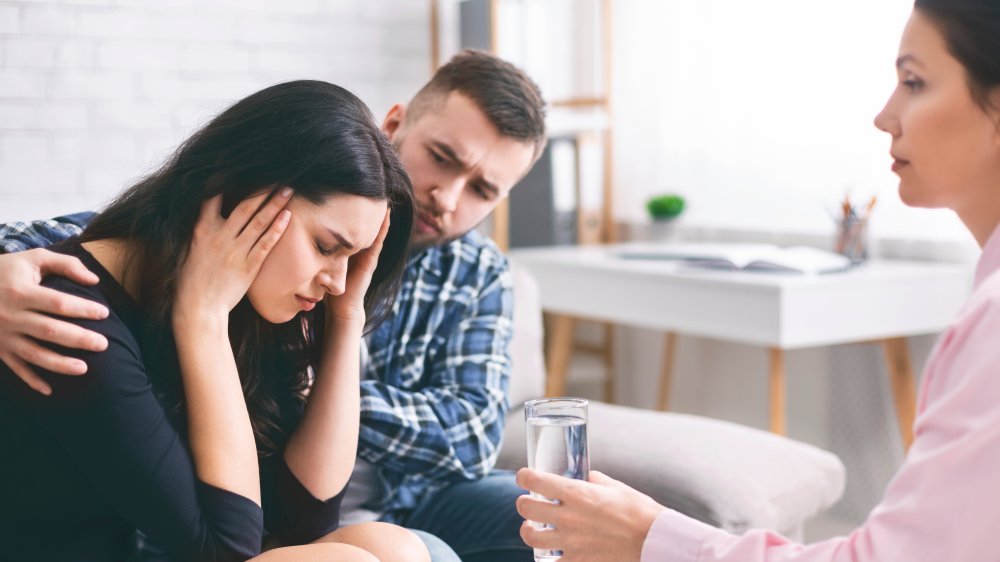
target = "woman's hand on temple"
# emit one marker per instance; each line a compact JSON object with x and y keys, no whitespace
{"x":350,"y":306}
{"x":227,"y":253}
{"x":595,"y":520}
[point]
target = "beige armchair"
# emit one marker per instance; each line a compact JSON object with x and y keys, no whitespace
{"x":724,"y":474}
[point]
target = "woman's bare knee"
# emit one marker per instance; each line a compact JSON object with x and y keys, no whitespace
{"x":317,"y":552}
{"x":389,"y":543}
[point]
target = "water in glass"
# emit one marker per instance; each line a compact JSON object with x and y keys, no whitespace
{"x":557,"y":444}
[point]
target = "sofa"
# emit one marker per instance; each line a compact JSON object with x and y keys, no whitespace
{"x":725,"y":474}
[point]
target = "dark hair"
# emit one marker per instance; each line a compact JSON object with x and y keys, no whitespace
{"x":508,"y":97}
{"x":313,"y":136}
{"x":971,"y":29}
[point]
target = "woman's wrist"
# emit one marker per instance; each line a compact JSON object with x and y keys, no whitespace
{"x":345,"y":323}
{"x":201,"y":320}
{"x":342,"y":336}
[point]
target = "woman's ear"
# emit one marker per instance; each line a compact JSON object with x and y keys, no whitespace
{"x":394,"y":121}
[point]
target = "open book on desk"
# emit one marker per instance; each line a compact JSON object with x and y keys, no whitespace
{"x":738,"y":256}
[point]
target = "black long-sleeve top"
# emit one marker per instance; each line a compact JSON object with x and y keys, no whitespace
{"x":81,"y":470}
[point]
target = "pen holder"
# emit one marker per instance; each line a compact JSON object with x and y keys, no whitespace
{"x":852,"y":239}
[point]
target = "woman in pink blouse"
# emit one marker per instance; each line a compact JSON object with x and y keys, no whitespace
{"x":944,"y":504}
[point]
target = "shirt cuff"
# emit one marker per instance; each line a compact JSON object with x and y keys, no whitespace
{"x":301,"y":517}
{"x":674,"y":537}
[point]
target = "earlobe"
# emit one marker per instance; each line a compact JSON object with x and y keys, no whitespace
{"x":394,"y":120}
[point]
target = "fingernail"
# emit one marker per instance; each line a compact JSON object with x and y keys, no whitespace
{"x":99,"y":344}
{"x":286,"y":192}
{"x":100,"y":313}
{"x":46,"y":391}
{"x":80,"y":366}
{"x":284,"y":216}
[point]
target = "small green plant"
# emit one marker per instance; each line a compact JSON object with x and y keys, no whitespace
{"x":667,"y":206}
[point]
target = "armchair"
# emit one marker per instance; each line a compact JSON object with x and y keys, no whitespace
{"x":725,"y":474}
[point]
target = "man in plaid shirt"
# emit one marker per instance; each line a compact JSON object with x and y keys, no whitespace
{"x":433,"y":401}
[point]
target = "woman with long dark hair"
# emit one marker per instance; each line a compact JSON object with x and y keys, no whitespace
{"x":240,"y":277}
{"x":944,"y":503}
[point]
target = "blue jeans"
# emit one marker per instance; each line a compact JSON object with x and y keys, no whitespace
{"x":478,"y":520}
{"x":440,"y":551}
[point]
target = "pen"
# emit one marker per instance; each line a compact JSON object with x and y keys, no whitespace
{"x":871,"y":205}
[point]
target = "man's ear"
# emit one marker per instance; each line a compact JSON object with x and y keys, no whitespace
{"x":393,"y":121}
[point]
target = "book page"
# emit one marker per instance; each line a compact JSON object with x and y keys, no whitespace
{"x":801,"y":259}
{"x":750,"y":257}
{"x":735,"y":254}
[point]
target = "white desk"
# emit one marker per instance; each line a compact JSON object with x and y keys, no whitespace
{"x":882,"y":301}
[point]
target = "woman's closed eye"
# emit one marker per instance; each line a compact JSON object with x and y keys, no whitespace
{"x":326,"y":250}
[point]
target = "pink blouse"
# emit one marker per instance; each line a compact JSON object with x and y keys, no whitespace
{"x":944,"y":503}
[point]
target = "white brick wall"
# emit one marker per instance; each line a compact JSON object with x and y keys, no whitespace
{"x":94,"y":93}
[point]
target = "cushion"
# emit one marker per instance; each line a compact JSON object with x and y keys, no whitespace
{"x":724,"y":474}
{"x":527,"y":378}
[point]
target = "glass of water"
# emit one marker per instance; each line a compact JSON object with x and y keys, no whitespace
{"x":557,"y":443}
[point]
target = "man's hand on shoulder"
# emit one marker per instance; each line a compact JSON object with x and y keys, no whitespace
{"x":25,"y":307}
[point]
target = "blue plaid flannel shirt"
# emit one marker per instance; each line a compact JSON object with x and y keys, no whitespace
{"x":434,"y":398}
{"x":434,"y":395}
{"x":19,"y":236}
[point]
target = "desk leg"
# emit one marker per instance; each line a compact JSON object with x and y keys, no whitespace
{"x":666,"y":370}
{"x":560,"y":331}
{"x":609,"y":362}
{"x":777,"y":391}
{"x":897,"y":357}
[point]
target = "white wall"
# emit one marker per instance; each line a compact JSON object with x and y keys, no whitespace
{"x":94,"y":93}
{"x":760,"y":113}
